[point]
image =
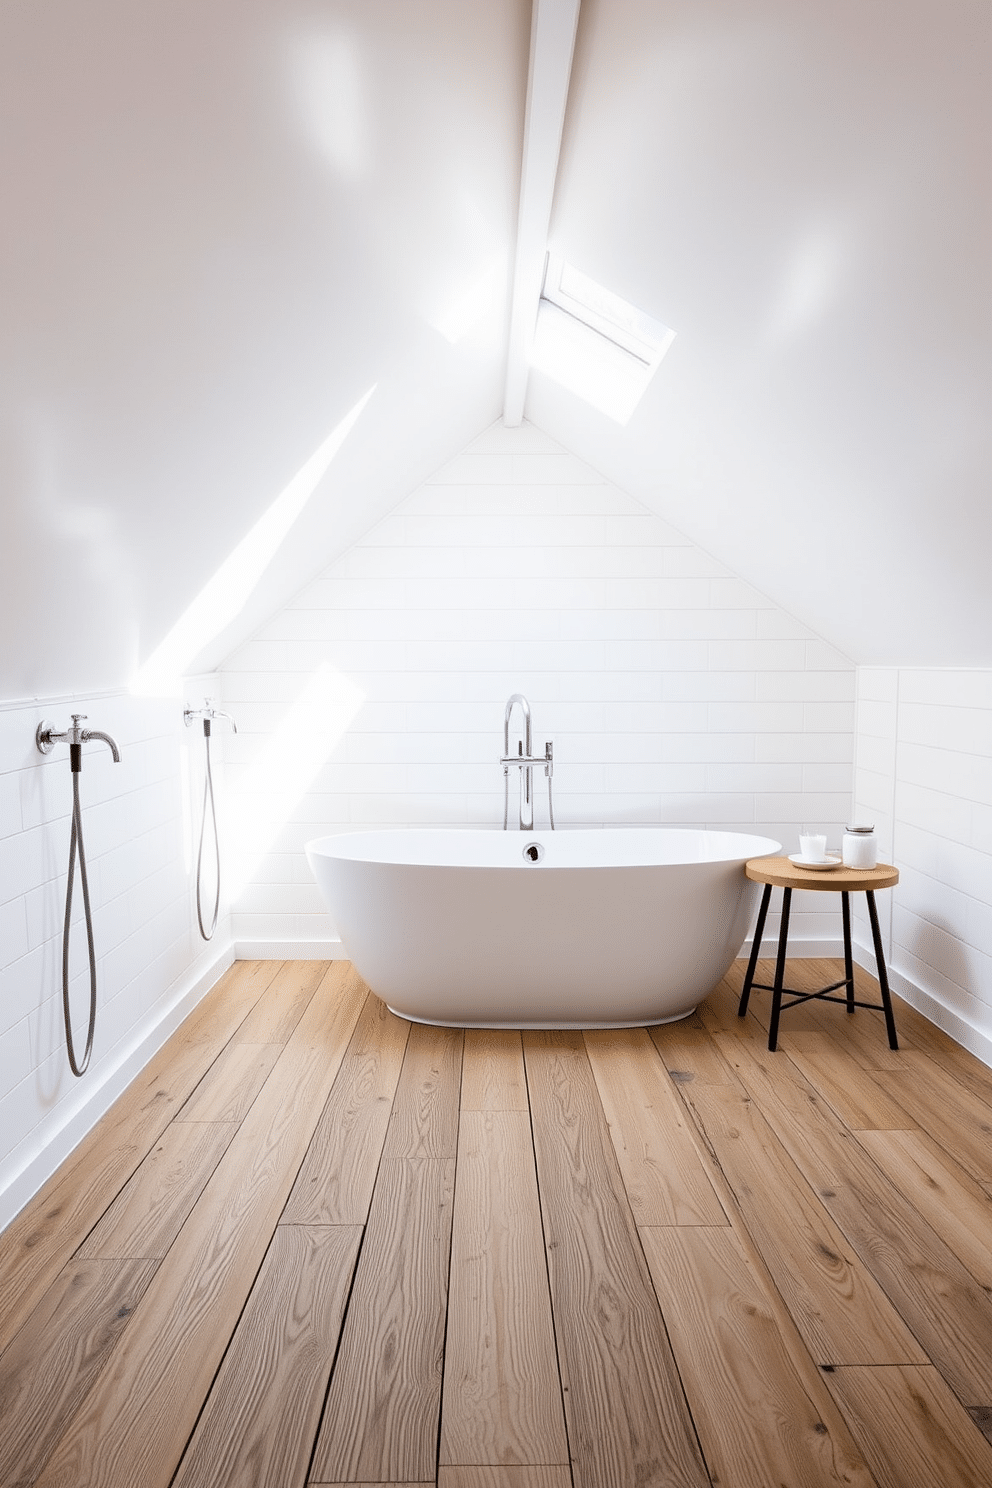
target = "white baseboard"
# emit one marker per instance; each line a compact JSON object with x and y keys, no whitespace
{"x":959,"y":1029}
{"x":289,"y":950}
{"x":798,"y":949}
{"x":54,"y":1138}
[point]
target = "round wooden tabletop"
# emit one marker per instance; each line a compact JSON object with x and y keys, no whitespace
{"x":786,"y":875}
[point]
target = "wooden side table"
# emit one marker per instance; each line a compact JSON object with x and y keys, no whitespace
{"x":780,"y":873}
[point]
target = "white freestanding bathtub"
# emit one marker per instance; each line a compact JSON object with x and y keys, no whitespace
{"x":592,"y":928}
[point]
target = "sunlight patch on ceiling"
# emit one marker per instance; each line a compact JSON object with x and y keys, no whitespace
{"x":592,"y":342}
{"x":285,"y":768}
{"x":809,"y":284}
{"x":225,"y":595}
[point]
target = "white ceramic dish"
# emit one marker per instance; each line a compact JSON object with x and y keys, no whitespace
{"x":818,"y":865}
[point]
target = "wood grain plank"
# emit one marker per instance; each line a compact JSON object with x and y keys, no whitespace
{"x":493,"y":1077}
{"x":38,"y":1243}
{"x":231,"y":1083}
{"x":861,"y":1036}
{"x":940,"y":1105}
{"x":334,"y":1185}
{"x":504,"y":1477}
{"x":855,"y":1093}
{"x":229,"y":1001}
{"x":839,"y":1308}
{"x":663,"y":1173}
{"x":424,"y":1120}
{"x":262,"y":1414}
{"x":502,"y":1399}
{"x":152,"y":1207}
{"x":802,"y":974}
{"x":911,"y":1429}
{"x":690,"y":1055}
{"x":931,"y":1289}
{"x":136,"y":1421}
{"x":481,"y":1477}
{"x":718,"y":1013}
{"x":759,"y":1419}
{"x":53,"y":1361}
{"x":954,"y":1206}
{"x":956,"y":1062}
{"x":626,"y":1413}
{"x":274,"y":1017}
{"x":381,"y":1420}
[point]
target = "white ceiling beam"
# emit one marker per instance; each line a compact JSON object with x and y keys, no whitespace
{"x":552,"y":43}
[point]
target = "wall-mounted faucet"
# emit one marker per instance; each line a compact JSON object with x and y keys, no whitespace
{"x":525,"y":762}
{"x":207,"y":712}
{"x":46,"y":736}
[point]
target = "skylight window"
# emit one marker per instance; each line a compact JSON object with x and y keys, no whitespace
{"x":591,"y":341}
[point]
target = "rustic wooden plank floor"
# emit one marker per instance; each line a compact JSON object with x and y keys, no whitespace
{"x":314,"y":1244}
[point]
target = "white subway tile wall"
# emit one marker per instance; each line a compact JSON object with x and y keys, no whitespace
{"x":674,"y":692}
{"x":924,"y":775}
{"x":137,"y":832}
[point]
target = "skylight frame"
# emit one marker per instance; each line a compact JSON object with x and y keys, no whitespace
{"x":611,"y":317}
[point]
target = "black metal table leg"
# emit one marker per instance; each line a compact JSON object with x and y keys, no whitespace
{"x":783,"y":941}
{"x":883,"y":981}
{"x":755,"y":949}
{"x":848,"y":954}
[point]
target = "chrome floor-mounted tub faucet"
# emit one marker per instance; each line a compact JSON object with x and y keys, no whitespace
{"x":524,"y":761}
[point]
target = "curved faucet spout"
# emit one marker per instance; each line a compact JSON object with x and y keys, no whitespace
{"x":517,"y":697}
{"x":526,"y":769}
{"x":99,"y":734}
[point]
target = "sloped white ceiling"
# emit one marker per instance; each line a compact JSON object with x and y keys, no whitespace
{"x":225,"y":221}
{"x":804,"y":192}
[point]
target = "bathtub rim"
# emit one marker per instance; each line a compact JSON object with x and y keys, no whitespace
{"x":760,"y":846}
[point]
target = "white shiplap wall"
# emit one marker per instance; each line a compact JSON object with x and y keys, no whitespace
{"x":151,"y":961}
{"x":674,"y":692}
{"x":924,"y":775}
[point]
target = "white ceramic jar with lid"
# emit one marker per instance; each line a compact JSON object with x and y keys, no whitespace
{"x":859,"y":848}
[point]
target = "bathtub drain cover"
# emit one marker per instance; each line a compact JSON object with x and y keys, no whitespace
{"x":533,"y":852}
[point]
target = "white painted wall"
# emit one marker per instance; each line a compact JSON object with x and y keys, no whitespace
{"x":152,"y":964}
{"x":674,"y":692}
{"x":924,"y":775}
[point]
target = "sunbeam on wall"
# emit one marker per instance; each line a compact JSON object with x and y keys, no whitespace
{"x":285,"y":768}
{"x":225,"y":595}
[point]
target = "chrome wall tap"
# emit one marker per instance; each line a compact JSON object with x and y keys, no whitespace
{"x":525,"y":761}
{"x":207,"y":712}
{"x":46,"y":736}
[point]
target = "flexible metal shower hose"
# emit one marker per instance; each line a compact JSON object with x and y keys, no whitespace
{"x":76,"y":845}
{"x":208,"y":795}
